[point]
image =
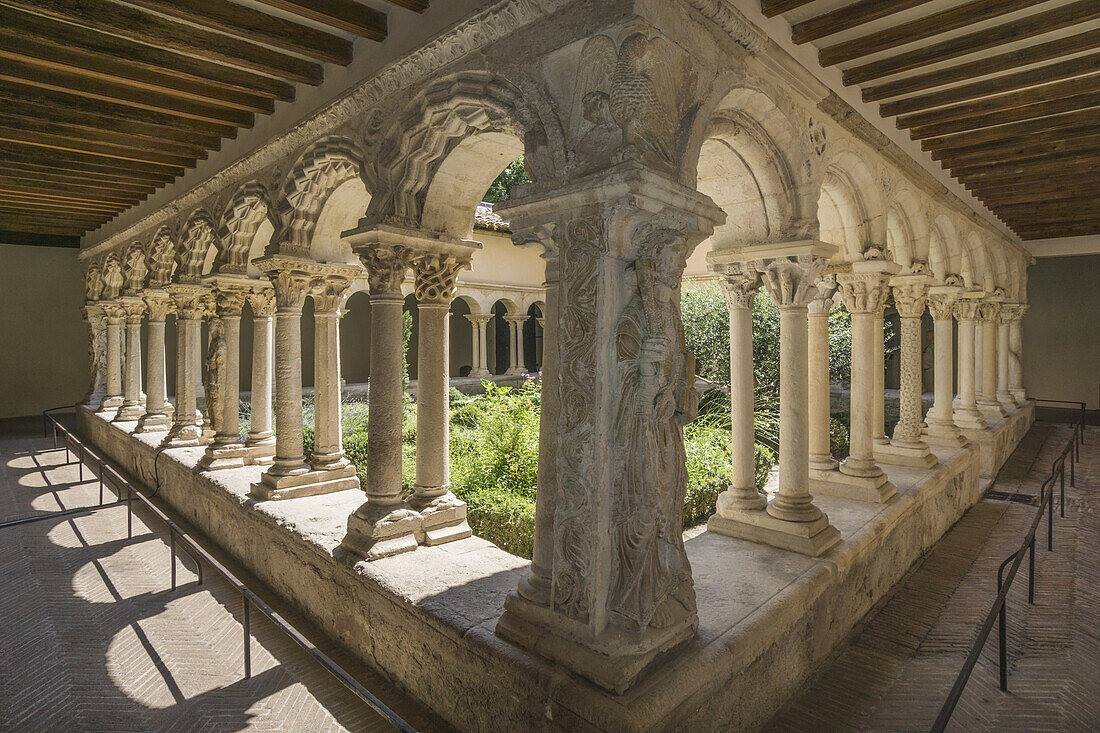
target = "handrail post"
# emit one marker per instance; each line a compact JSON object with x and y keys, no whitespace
{"x":1062,"y":481}
{"x":1050,"y":519}
{"x":1031,"y":573}
{"x":1001,"y":634}
{"x":129,"y":513}
{"x":172,"y":542}
{"x":247,"y":637}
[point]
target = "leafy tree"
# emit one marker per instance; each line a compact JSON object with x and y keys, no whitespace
{"x":513,"y":175}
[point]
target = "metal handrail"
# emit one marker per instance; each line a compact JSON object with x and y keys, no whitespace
{"x":997,"y":614}
{"x":199,"y":556}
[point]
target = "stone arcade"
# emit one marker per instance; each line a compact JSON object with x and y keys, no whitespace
{"x":666,"y":139}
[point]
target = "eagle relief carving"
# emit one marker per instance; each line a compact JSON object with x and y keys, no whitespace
{"x":628,"y":101}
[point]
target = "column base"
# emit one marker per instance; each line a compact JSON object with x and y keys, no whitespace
{"x":158,"y":422}
{"x":310,"y":483}
{"x":945,"y":435}
{"x":970,"y":420}
{"x":806,"y":538}
{"x":111,"y":403}
{"x":481,"y":374}
{"x":1008,"y":401}
{"x":824,"y":464}
{"x":514,"y":372}
{"x":875,"y":489}
{"x":225,"y":455}
{"x":741,"y":500}
{"x":992,"y":409}
{"x":915,"y":456}
{"x":183,"y":436}
{"x":444,"y":519}
{"x":1019,"y":395}
{"x":260,"y":451}
{"x":378,"y":532}
{"x":614,"y":659}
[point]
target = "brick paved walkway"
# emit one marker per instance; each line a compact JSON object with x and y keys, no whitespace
{"x":93,"y":639}
{"x":903,"y":658}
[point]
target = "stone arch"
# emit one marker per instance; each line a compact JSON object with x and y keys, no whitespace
{"x":113,"y":279}
{"x":474,"y":119}
{"x":248,"y":208}
{"x":475,"y":306}
{"x":751,"y":158}
{"x":93,"y":282}
{"x":196,"y":247}
{"x":316,"y":175}
{"x":907,"y":233}
{"x":162,"y":257}
{"x":944,"y":249}
{"x":998,"y":268}
{"x":974,"y":261}
{"x":851,"y":208}
{"x":134,"y":269}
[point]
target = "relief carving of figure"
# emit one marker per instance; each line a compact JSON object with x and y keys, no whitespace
{"x":652,"y":586}
{"x":214,"y":373}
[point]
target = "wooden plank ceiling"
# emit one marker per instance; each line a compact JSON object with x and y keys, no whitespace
{"x":104,"y":101}
{"x":1005,"y":94}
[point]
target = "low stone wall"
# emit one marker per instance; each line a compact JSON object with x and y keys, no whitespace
{"x":426,"y":619}
{"x":996,"y":445}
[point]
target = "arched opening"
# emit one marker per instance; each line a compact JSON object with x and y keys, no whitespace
{"x":461,"y":339}
{"x":413,"y":317}
{"x":500,"y":337}
{"x":532,"y":339}
{"x":341,"y":211}
{"x":355,"y":339}
{"x":841,"y":216}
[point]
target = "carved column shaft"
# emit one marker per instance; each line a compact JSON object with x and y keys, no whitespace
{"x":910,"y":296}
{"x":328,"y":447}
{"x":97,"y":355}
{"x":261,"y":438}
{"x":114,"y":319}
{"x":878,"y":420}
{"x":818,"y":376}
{"x":290,"y":294}
{"x":966,"y":414}
{"x":156,"y":417}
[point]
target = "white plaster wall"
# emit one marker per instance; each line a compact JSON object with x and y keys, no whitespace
{"x":502,"y":263}
{"x":1062,"y":330}
{"x":43,"y":342}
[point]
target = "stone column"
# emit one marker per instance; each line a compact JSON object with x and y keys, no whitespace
{"x":821,"y":458}
{"x":384,"y":525}
{"x":979,"y":356}
{"x":329,"y":294}
{"x":1016,"y":312}
{"x":988,"y":404}
{"x":879,"y":391}
{"x":223,"y":381}
{"x":480,"y":322}
{"x":906,"y":447}
{"x":114,"y":315}
{"x":190,"y":306}
{"x":967,"y":416}
{"x":97,"y":356}
{"x":618,"y":246}
{"x":1004,"y":396}
{"x":515,"y":344}
{"x":864,"y":292}
{"x":791,"y":520}
{"x":941,"y":428}
{"x":260,"y":441}
{"x":740,"y":283}
{"x":443,"y":514}
{"x":290,"y":475}
{"x":156,"y":418}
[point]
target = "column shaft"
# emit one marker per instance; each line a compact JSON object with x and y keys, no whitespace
{"x":385,"y":401}
{"x":260,"y":429}
{"x":944,"y":372}
{"x":328,"y":447}
{"x":907,"y":431}
{"x":966,"y":414}
{"x":793,"y":501}
{"x":743,"y":488}
{"x":289,"y":456}
{"x":818,"y":380}
{"x":156,"y":417}
{"x":229,"y":430}
{"x":432,"y":386}
{"x":1003,"y":394}
{"x":879,"y":390}
{"x":861,"y":459}
{"x":114,"y":360}
{"x":132,"y":404}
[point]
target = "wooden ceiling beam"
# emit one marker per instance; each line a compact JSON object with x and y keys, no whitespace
{"x":1054,"y":183}
{"x":1017,"y":30}
{"x":31,"y":114}
{"x":1082,"y":160}
{"x":106,"y":150}
{"x":64,"y":160}
{"x":33,"y":234}
{"x":65,"y":214}
{"x":417,"y":6}
{"x":129,"y":59}
{"x":250,"y":25}
{"x":1012,"y":100}
{"x":847,"y":17}
{"x":48,"y":204}
{"x":36,"y":226}
{"x":32,"y":185}
{"x":772,"y":8}
{"x":1016,"y":151}
{"x":1042,"y":75}
{"x":106,"y":136}
{"x":951,"y":19}
{"x":153,"y":30}
{"x":1041,"y":110}
{"x":18,"y":72}
{"x":93,"y":179}
{"x":75,"y":103}
{"x":345,"y":15}
{"x":1015,"y":131}
{"x":1059,"y":232}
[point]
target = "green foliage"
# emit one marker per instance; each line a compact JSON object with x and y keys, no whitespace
{"x":406,"y":336}
{"x":840,"y":346}
{"x":514,"y":175}
{"x":707,"y":330}
{"x":839,"y":446}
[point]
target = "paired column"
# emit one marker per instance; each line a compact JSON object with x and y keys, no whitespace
{"x":444,"y":516}
{"x":114,"y":317}
{"x":329,"y":294}
{"x":1016,"y":313}
{"x":864,"y":292}
{"x":260,"y":441}
{"x":740,"y":284}
{"x":791,"y":520}
{"x":967,"y":416}
{"x":879,"y":393}
{"x":906,"y":447}
{"x":156,"y":417}
{"x":515,"y":344}
{"x":988,"y":404}
{"x":290,"y":475}
{"x":97,"y":355}
{"x":222,"y":381}
{"x":941,"y":428}
{"x":821,"y":458}
{"x":480,"y":323}
{"x":384,"y":525}
{"x":1004,"y":395}
{"x":190,"y":303}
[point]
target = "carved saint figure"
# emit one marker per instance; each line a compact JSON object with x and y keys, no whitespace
{"x":652,"y":585}
{"x":214,"y":374}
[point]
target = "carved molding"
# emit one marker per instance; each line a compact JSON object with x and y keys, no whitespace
{"x":733,"y":22}
{"x":863,"y":292}
{"x":436,"y":277}
{"x":790,"y":280}
{"x":386,"y":267}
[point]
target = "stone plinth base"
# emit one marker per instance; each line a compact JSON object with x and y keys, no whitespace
{"x":858,"y":488}
{"x":949,"y":436}
{"x":904,"y":455}
{"x":806,"y":538}
{"x":311,"y":483}
{"x":154,"y":423}
{"x":994,"y":410}
{"x":996,"y":443}
{"x":427,"y":619}
{"x":218,"y":458}
{"x":375,"y":533}
{"x":130,"y":413}
{"x":261,"y":452}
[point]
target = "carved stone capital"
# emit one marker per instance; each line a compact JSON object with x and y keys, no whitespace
{"x":329,"y":293}
{"x":134,"y":308}
{"x":295,"y":278}
{"x":478,"y":318}
{"x":190,"y":301}
{"x":262,"y":303}
{"x":113,"y":311}
{"x":1012,"y":312}
{"x":229,"y":303}
{"x":386,"y":267}
{"x":826,"y":289}
{"x":740,"y":283}
{"x":159,"y":305}
{"x":436,"y":277}
{"x":910,"y":294}
{"x":863,"y":292}
{"x":966,"y":309}
{"x":989,"y":310}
